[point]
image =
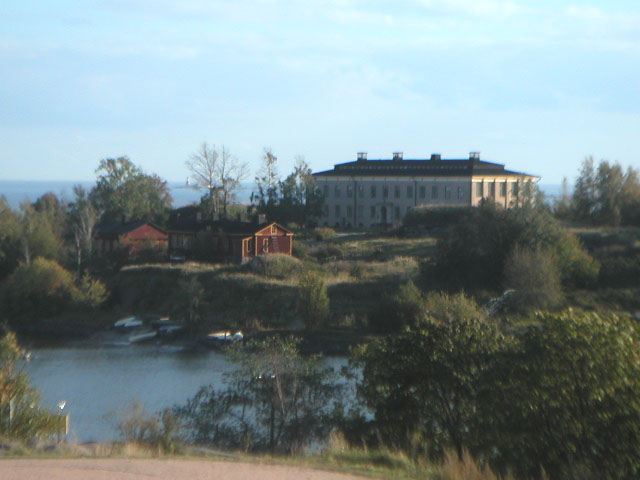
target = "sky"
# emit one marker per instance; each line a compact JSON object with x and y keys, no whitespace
{"x":536,"y":85}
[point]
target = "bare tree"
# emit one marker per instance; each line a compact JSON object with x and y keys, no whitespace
{"x":219,"y":173}
{"x":83,"y":220}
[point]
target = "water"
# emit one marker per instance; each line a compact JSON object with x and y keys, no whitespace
{"x":100,"y":383}
{"x":19,"y":191}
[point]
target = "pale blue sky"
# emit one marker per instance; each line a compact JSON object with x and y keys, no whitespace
{"x":537,"y":85}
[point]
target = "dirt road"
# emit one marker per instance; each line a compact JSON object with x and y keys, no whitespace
{"x":132,"y":469}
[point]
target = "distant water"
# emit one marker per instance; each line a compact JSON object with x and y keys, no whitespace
{"x":19,"y":191}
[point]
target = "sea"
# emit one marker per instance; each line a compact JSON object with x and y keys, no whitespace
{"x":20,"y":191}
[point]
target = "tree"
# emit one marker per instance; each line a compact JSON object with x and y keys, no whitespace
{"x":313,"y":304}
{"x":300,"y":198}
{"x":566,"y":398}
{"x":10,"y":238}
{"x":43,"y":289}
{"x":267,"y":181}
{"x":124,"y":191}
{"x":584,"y":192}
{"x":39,"y":234}
{"x":425,"y":382}
{"x":535,"y":277}
{"x":189,"y":303}
{"x":218,"y":173}
{"x":21,"y":416}
{"x":83,"y":218}
{"x":275,"y":400}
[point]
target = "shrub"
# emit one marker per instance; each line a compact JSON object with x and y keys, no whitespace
{"x":393,"y":313}
{"x":534,"y":276}
{"x":475,"y":254}
{"x":620,"y":271}
{"x":161,"y":430}
{"x":301,"y":250}
{"x":313,"y":303}
{"x":275,"y":400}
{"x":323,"y":233}
{"x":435,"y":217}
{"x":276,"y":265}
{"x":43,"y":289}
{"x":446,"y":307}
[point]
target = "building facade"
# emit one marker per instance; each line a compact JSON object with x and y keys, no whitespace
{"x":379,"y":193}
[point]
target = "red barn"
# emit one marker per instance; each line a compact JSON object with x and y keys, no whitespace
{"x":112,"y":236}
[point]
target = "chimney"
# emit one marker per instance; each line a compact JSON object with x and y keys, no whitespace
{"x":262,"y":218}
{"x":435,"y":157}
{"x":473,"y":156}
{"x":362,"y":156}
{"x":397,"y":156}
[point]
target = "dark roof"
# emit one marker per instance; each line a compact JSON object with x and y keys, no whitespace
{"x":412,"y":167}
{"x":227,"y":226}
{"x":117,"y":228}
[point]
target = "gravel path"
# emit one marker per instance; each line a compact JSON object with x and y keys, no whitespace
{"x":130,"y":469}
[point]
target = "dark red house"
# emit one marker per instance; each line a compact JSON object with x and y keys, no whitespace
{"x":112,"y":236}
{"x":225,"y":240}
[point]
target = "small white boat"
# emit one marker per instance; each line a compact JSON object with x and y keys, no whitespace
{"x":223,"y":337}
{"x":128,"y":322}
{"x":142,"y":336}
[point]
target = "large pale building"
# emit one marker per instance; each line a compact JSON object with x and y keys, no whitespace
{"x":379,"y":193}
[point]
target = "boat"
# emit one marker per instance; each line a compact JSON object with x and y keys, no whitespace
{"x":142,"y":335}
{"x":223,"y":337}
{"x":128,"y":322}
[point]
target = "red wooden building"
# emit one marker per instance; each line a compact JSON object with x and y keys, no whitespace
{"x":112,"y":236}
{"x":228,"y":240}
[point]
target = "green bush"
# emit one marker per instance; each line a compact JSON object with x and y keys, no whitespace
{"x":534,"y":276}
{"x":44,"y":289}
{"x":301,"y":250}
{"x":475,"y":253}
{"x":323,"y":233}
{"x":313,"y":301}
{"x":448,"y":307}
{"x":620,"y":271}
{"x":276,"y":265}
{"x":435,"y":217}
{"x":395,"y":312}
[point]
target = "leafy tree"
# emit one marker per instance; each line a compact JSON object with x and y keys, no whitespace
{"x":313,"y":304}
{"x":39,"y":234}
{"x":44,"y":289}
{"x":10,"y":238}
{"x":567,"y":398}
{"x":394,"y":312}
{"x":21,"y":416}
{"x":475,"y":252}
{"x":82,"y":219}
{"x":584,"y":191}
{"x":123,"y":190}
{"x":274,"y":400}
{"x":535,"y":277}
{"x":300,"y":197}
{"x":426,"y":382}
{"x":446,"y":308}
{"x":189,"y":303}
{"x":267,"y":181}
{"x":219,"y":174}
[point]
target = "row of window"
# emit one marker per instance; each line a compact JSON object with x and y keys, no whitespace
{"x":422,"y":191}
{"x":349,"y":211}
{"x":373,"y":192}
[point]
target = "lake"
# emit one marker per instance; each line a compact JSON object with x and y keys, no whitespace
{"x":99,"y":383}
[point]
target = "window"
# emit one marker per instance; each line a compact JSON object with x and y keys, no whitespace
{"x":349,"y":191}
{"x":326,"y":190}
{"x":408,"y":208}
{"x":265,"y":244}
{"x":479,"y":189}
{"x":325,"y":210}
{"x":349,"y":211}
{"x":361,"y":191}
{"x":385,"y":192}
{"x":372,"y":212}
{"x":515,"y":189}
{"x":396,"y":191}
{"x":422,"y":191}
{"x":373,"y":191}
{"x":336,"y":191}
{"x":409,"y":191}
{"x":337,"y":210}
{"x":447,"y":193}
{"x":503,"y":189}
{"x":396,"y":213}
{"x":434,"y":191}
{"x":492,"y":189}
{"x":460,"y":193}
{"x":360,"y":211}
